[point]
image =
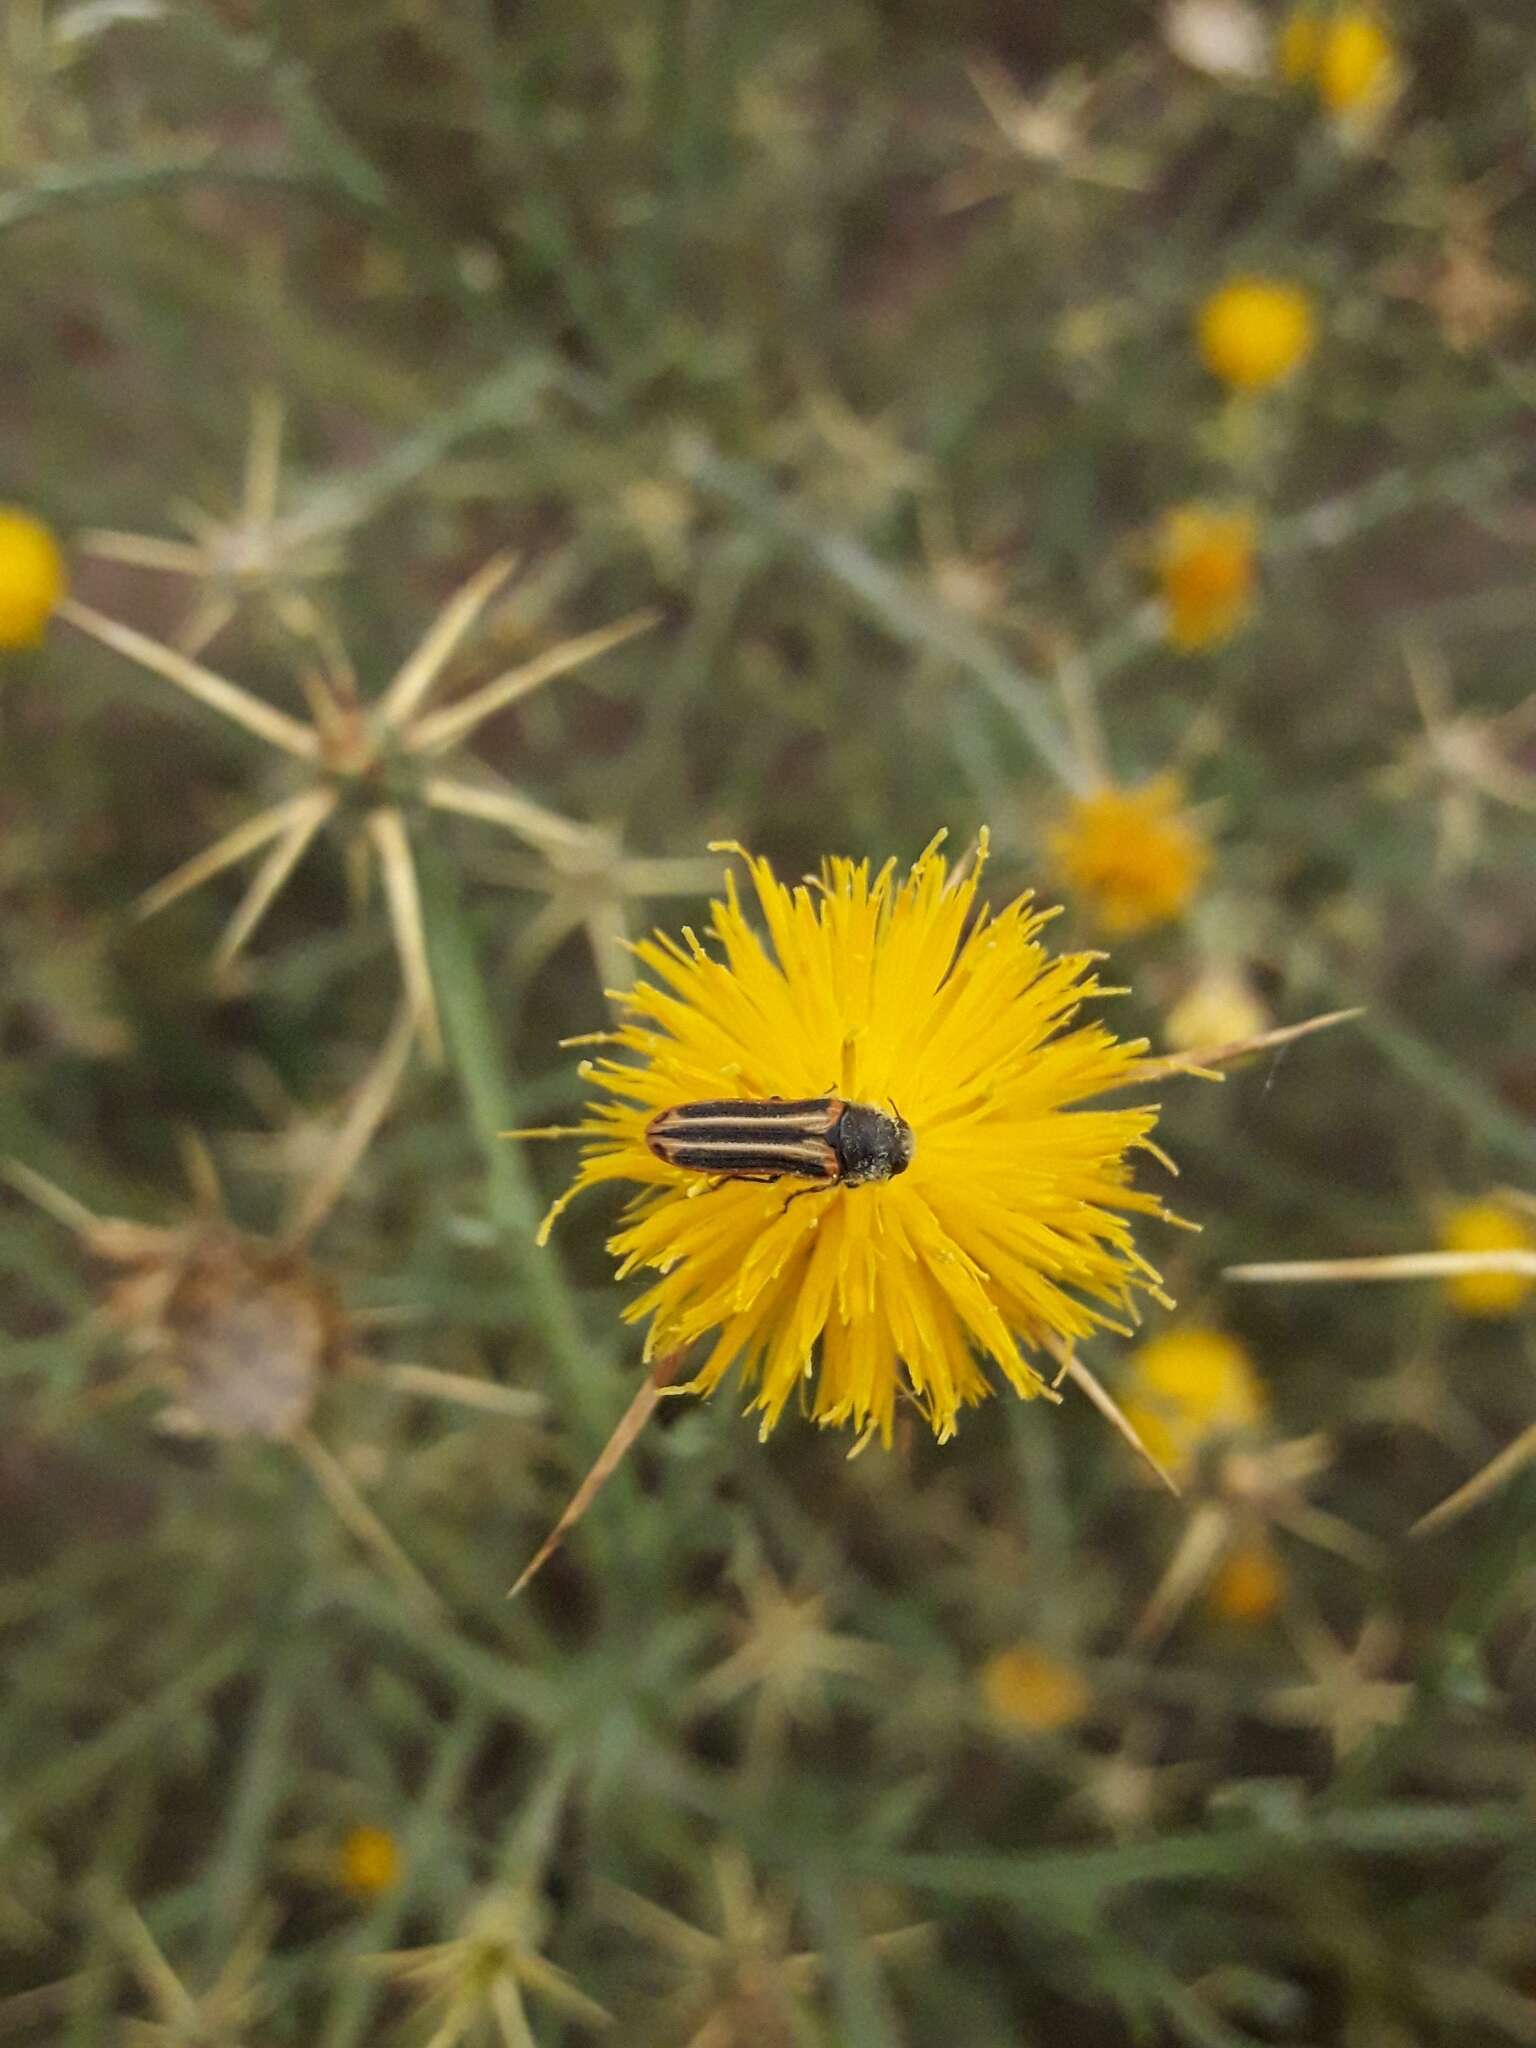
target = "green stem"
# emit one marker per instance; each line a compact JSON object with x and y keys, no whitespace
{"x":63,"y":187}
{"x":510,"y":397}
{"x":234,"y":1876}
{"x":1053,"y":1882}
{"x":78,"y":1771}
{"x":1481,"y":1110}
{"x":864,"y":2015}
{"x":900,"y":609}
{"x":476,"y":1051}
{"x":356,"y":1998}
{"x":119,"y":1848}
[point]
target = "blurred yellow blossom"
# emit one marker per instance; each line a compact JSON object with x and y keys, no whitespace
{"x":1188,"y":1387}
{"x":1356,"y":63}
{"x":1132,"y":853}
{"x":1205,"y":562}
{"x":31,"y":577}
{"x":368,"y":1862}
{"x":1249,"y":1584}
{"x":1218,"y":1008}
{"x":1029,"y":1691}
{"x":1255,"y":331}
{"x":1487,"y":1226}
{"x":1348,"y":57}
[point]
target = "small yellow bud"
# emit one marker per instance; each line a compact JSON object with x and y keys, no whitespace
{"x":368,"y":1862}
{"x":1356,"y":62}
{"x":1030,"y":1692}
{"x":1206,"y":569}
{"x":1255,"y":331}
{"x":1487,"y":1226}
{"x":1218,"y":1009}
{"x":1249,"y":1584}
{"x":31,"y":577}
{"x":1131,"y":854}
{"x":1188,"y":1387}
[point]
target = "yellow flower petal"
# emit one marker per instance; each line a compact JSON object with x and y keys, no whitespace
{"x":1012,"y":1224}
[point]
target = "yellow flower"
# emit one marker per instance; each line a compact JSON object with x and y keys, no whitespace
{"x":1487,"y":1226}
{"x":1356,"y":64}
{"x":1255,"y":331}
{"x":1249,"y":1584}
{"x":1011,"y":1226}
{"x":1029,"y":1691}
{"x":1218,"y":1009}
{"x":1349,"y":57}
{"x":1206,"y":568}
{"x":1189,"y":1387}
{"x":31,"y":577}
{"x":368,"y":1862}
{"x":1132,"y":853}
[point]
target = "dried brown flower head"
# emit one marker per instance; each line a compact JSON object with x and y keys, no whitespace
{"x":241,"y":1330}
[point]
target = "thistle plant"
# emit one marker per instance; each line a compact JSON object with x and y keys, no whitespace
{"x":240,"y":1333}
{"x":368,"y":765}
{"x":1108,"y":425}
{"x":256,"y":551}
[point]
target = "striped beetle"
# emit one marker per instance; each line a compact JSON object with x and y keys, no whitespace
{"x":819,"y":1138}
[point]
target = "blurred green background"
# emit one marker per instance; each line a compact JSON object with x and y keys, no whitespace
{"x":857,"y":344}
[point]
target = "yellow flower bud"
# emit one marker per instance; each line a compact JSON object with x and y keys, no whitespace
{"x":1132,"y":854}
{"x":1249,"y":1584}
{"x":1487,"y":1226}
{"x":368,"y":1862}
{"x":1255,"y":331}
{"x":1030,"y":1692}
{"x":1206,"y":568}
{"x":1356,"y":62}
{"x":1219,"y":1009}
{"x":1188,"y":1387}
{"x":31,"y":577}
